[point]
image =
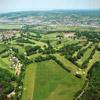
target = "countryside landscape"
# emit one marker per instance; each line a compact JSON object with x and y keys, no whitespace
{"x":48,"y":61}
{"x":50,"y":55}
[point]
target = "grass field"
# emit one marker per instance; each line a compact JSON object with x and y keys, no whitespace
{"x":52,"y":82}
{"x":10,"y":26}
{"x":39,"y":43}
{"x":69,"y":65}
{"x":96,"y":57}
{"x":47,"y":80}
{"x":83,"y":47}
{"x":2,"y":47}
{"x":5,"y":64}
{"x":29,"y":82}
{"x":85,"y":56}
{"x":50,"y":36}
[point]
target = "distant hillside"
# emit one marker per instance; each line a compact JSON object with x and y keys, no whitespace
{"x":89,"y":18}
{"x":79,"y":13}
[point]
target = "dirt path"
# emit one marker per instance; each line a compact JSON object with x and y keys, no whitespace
{"x":83,"y":91}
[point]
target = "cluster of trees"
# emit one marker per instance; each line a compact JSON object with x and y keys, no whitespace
{"x":36,"y":36}
{"x":69,"y":50}
{"x":31,"y":49}
{"x":25,"y":29}
{"x":58,"y":31}
{"x":84,"y":65}
{"x":2,"y":51}
{"x":79,"y":55}
{"x":49,"y":49}
{"x":20,"y":44}
{"x":24,"y":59}
{"x":26,"y":36}
{"x":6,"y":86}
{"x":93,"y":90}
{"x":98,"y":48}
{"x":19,"y":88}
{"x":51,"y":57}
{"x":23,"y":40}
{"x":3,"y":48}
{"x":60,"y":37}
{"x":82,"y":51}
{"x":60,"y":63}
{"x":15,"y":50}
{"x":4,"y":55}
{"x":90,"y":35}
{"x":25,"y":32}
{"x":41,"y":58}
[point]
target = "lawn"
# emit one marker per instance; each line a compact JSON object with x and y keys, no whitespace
{"x":29,"y":82}
{"x":3,"y":47}
{"x":5,"y":64}
{"x":52,"y":82}
{"x":85,"y":56}
{"x":50,"y":36}
{"x":63,"y":42}
{"x":83,"y":47}
{"x":20,"y":48}
{"x":39,"y":43}
{"x":69,"y":65}
{"x":10,"y":26}
{"x":96,"y":57}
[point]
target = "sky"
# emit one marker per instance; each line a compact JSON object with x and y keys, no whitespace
{"x":26,"y":5}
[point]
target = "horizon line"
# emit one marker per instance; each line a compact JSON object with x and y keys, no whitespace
{"x":43,"y":10}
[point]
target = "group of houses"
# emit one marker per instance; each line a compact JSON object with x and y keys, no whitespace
{"x":15,"y":64}
{"x":7,"y":35}
{"x":69,"y":35}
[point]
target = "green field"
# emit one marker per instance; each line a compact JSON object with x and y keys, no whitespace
{"x":85,"y":56}
{"x":59,"y":77}
{"x":69,"y":65}
{"x":10,"y":26}
{"x":29,"y":82}
{"x":52,"y":82}
{"x":96,"y":58}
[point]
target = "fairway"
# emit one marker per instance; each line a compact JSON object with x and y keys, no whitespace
{"x":10,"y":26}
{"x":5,"y":64}
{"x":29,"y":82}
{"x":52,"y":82}
{"x":85,"y":56}
{"x":96,"y":57}
{"x":69,"y":65}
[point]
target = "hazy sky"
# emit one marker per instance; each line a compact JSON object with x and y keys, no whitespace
{"x":23,"y":5}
